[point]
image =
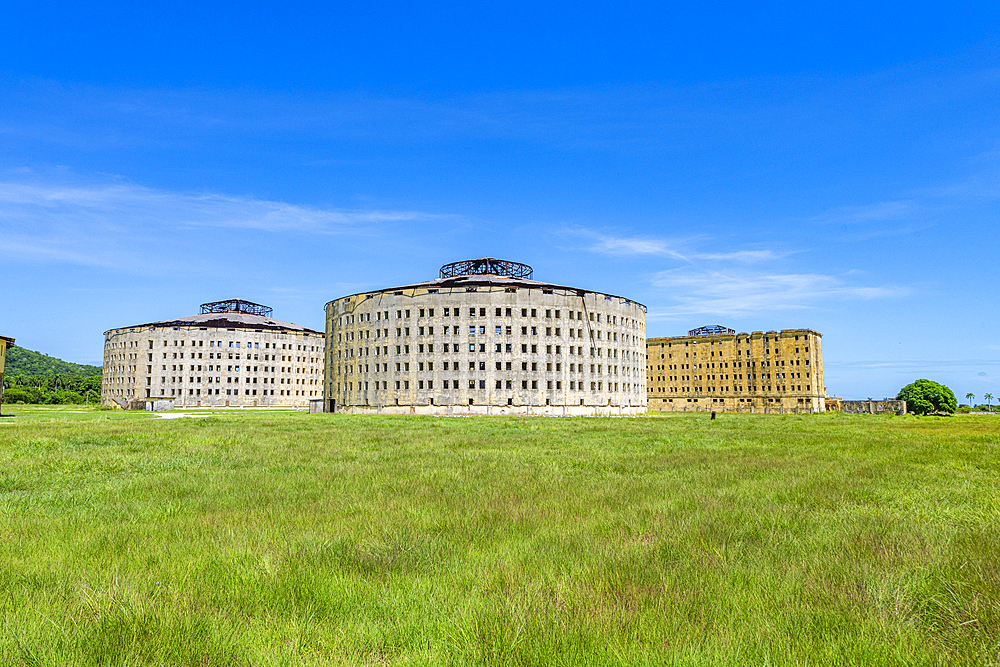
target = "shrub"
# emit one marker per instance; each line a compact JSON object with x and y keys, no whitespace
{"x":66,"y":397}
{"x":17,"y":395}
{"x":926,"y":397}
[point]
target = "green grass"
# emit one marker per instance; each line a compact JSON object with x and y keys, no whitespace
{"x":294,"y":539}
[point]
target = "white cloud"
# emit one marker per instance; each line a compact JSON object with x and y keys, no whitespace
{"x":878,"y":212}
{"x":681,"y":249}
{"x":697,"y":292}
{"x":126,"y":204}
{"x":131,"y":227}
{"x":917,"y":364}
{"x":745,"y":256}
{"x":722,"y":283}
{"x":617,"y":245}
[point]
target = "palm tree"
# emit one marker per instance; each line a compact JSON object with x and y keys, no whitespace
{"x":971,"y":397}
{"x":988,"y":397}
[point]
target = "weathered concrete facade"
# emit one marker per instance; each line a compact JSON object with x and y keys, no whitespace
{"x":485,"y":344}
{"x":215,"y":359}
{"x":763,"y":371}
{"x":892,"y":405}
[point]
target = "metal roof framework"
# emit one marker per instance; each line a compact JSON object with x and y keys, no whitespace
{"x":486,"y":266}
{"x":237,"y":305}
{"x":711,"y":330}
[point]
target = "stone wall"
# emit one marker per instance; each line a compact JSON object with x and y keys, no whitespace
{"x":869,"y":407}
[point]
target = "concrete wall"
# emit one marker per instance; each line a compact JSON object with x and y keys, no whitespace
{"x":212,"y":367}
{"x":869,"y":407}
{"x":499,"y":350}
{"x":759,"y":372}
{"x":150,"y":404}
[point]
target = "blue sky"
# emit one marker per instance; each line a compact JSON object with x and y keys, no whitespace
{"x":761,"y":167}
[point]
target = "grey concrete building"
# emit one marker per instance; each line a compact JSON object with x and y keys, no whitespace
{"x":232,"y":354}
{"x":485,"y":338}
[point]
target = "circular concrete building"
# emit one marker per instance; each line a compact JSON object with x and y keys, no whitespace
{"x":484,"y":338}
{"x":232,"y":354}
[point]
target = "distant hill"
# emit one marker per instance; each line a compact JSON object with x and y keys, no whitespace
{"x":25,"y":362}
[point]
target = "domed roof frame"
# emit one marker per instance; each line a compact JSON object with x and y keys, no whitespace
{"x":486,"y":266}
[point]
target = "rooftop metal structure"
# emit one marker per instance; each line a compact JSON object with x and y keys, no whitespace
{"x":237,"y":305}
{"x":486,"y":266}
{"x":711,"y":330}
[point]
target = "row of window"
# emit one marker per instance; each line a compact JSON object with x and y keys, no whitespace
{"x":736,"y":400}
{"x":404,"y":385}
{"x":550,"y":313}
{"x":366,"y":334}
{"x":264,"y":369}
{"x":736,"y":364}
{"x":246,"y":392}
{"x":736,"y":376}
{"x":108,"y":358}
{"x":738,"y":341}
{"x":231,"y":355}
{"x":109,"y":345}
{"x":734,"y":388}
{"x":712,"y":353}
{"x":481,"y":366}
{"x":239,"y":344}
{"x":246,"y":369}
{"x":233,"y":380}
{"x":508,"y":348}
{"x":119,"y":345}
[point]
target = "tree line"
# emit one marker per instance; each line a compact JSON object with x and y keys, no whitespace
{"x":51,"y":389}
{"x":21,"y":361}
{"x":33,"y":377}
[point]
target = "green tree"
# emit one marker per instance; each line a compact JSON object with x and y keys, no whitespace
{"x":52,"y":389}
{"x":17,"y":395}
{"x":988,"y":397}
{"x":926,"y":397}
{"x":971,"y":398}
{"x":66,"y":397}
{"x":27,"y":362}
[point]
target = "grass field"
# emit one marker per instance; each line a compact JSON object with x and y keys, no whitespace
{"x":295,"y":539}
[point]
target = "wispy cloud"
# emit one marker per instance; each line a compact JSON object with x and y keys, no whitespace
{"x":744,"y":256}
{"x":127,"y":204}
{"x":684,"y":249}
{"x":696,"y":292}
{"x":911,"y":364}
{"x":129,"y":226}
{"x":608,"y":244}
{"x":636,"y":246}
{"x":877,"y":212}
